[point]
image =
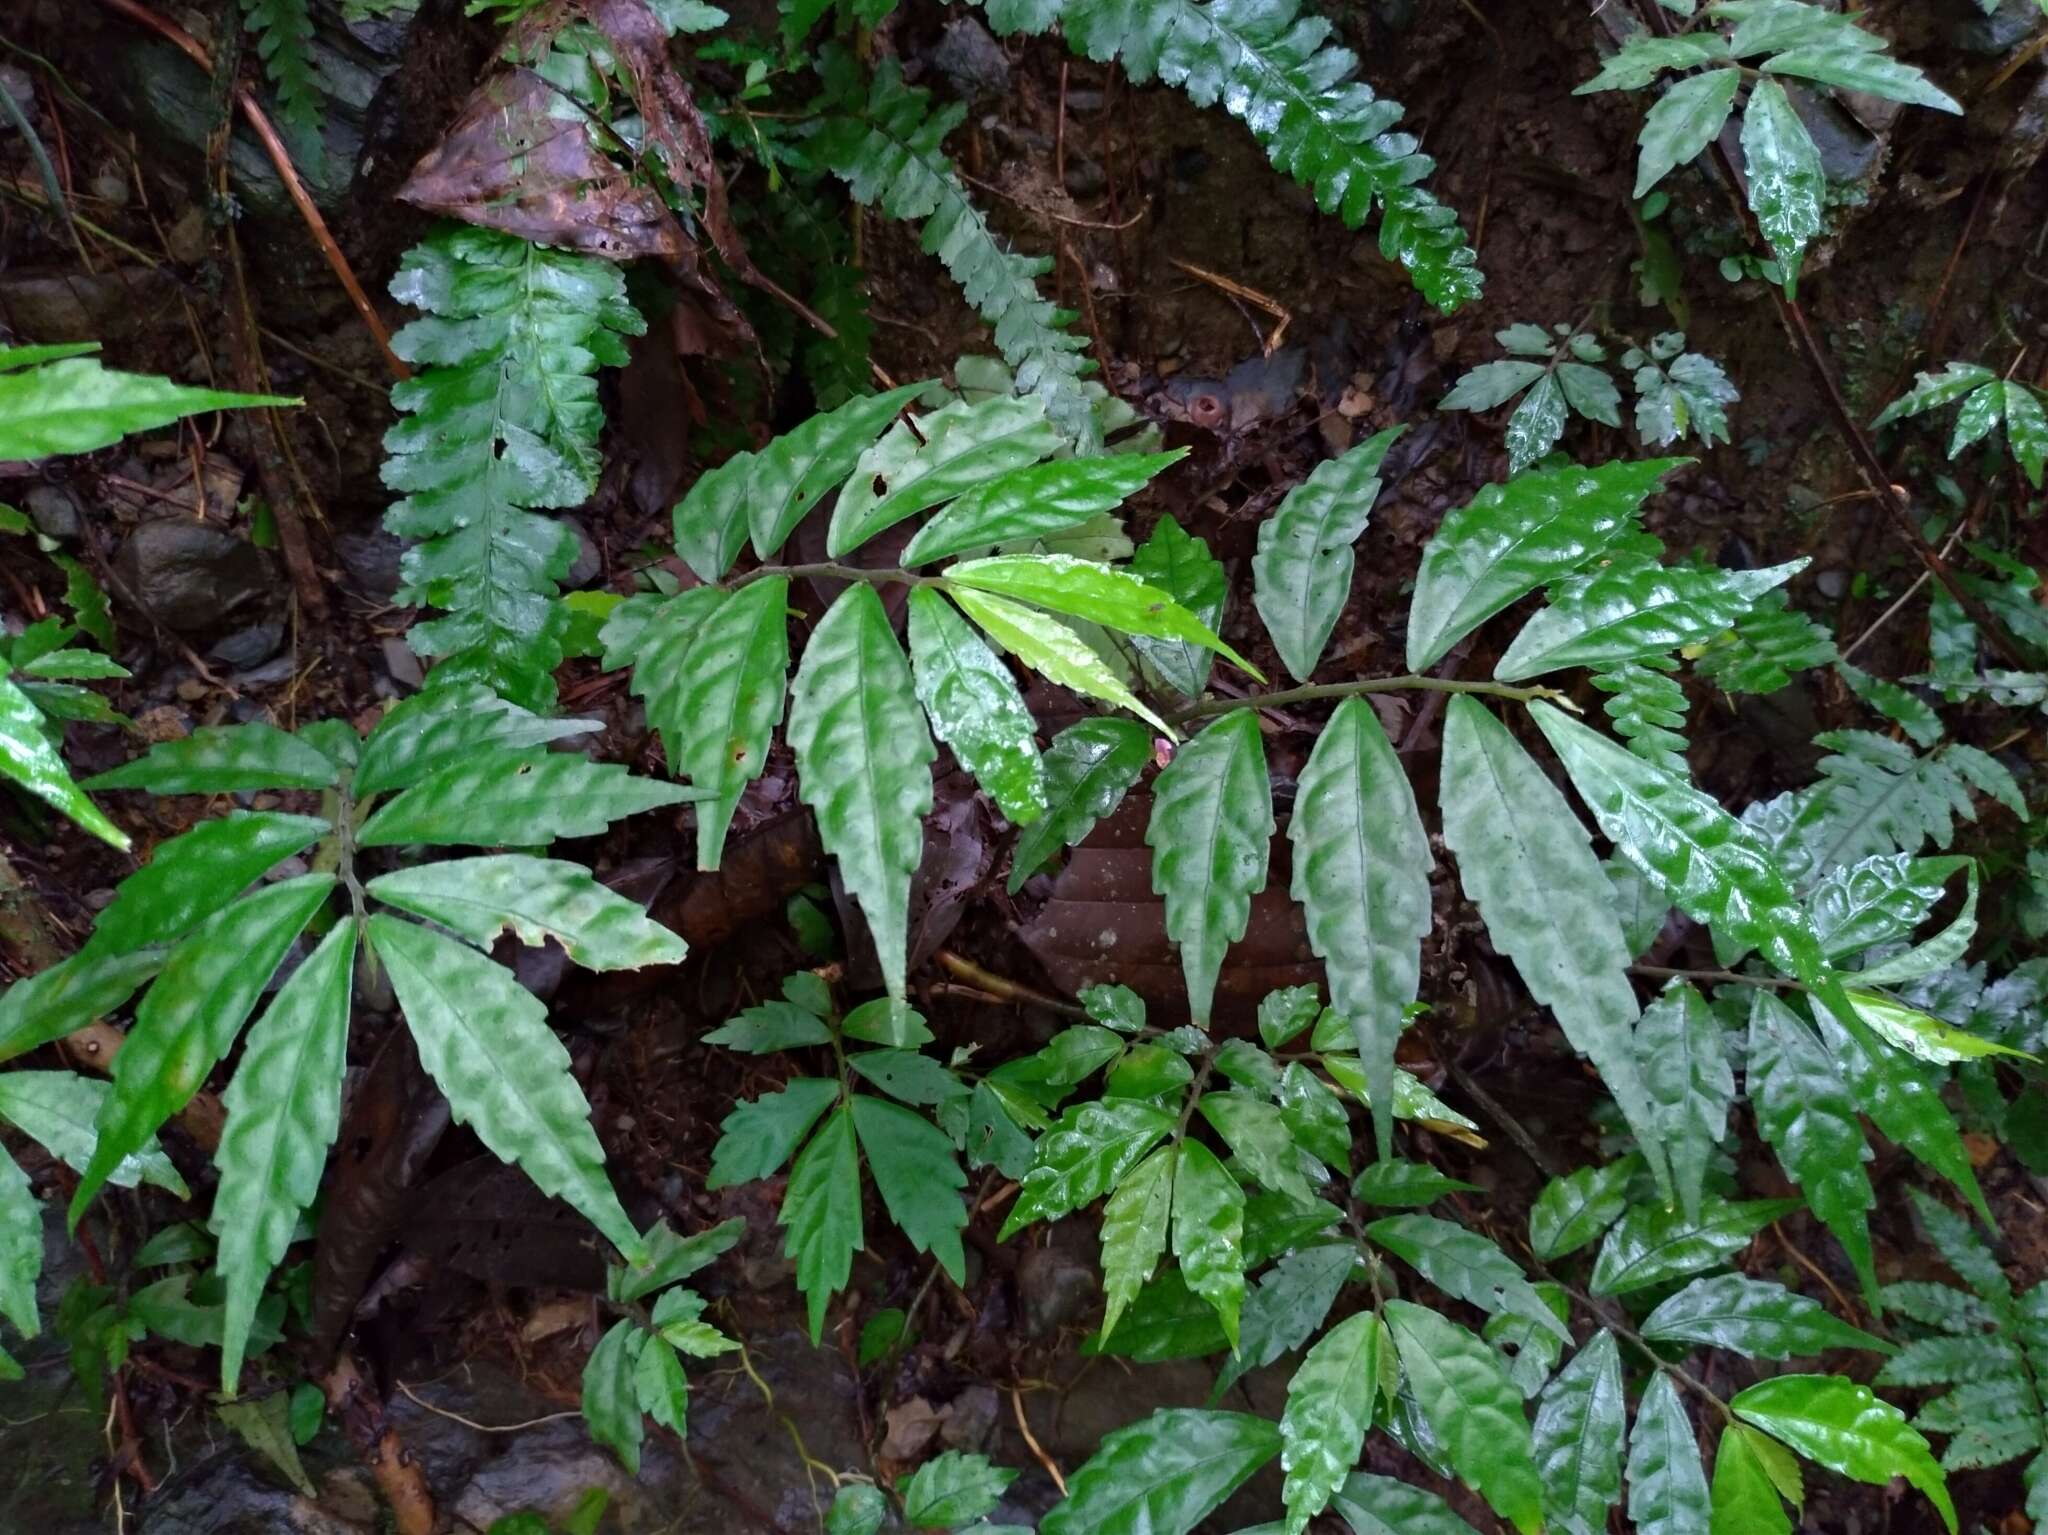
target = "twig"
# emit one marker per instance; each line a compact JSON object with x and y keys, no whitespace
{"x":1001,"y":987}
{"x":1716,"y":977}
{"x":1408,"y":682}
{"x":485,"y":1428}
{"x":1235,"y":289}
{"x":1052,"y":1468}
{"x":398,"y":1472}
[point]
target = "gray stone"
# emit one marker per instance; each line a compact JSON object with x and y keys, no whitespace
{"x":190,"y":575}
{"x":1055,"y":1290}
{"x":370,"y":559}
{"x":249,"y":647}
{"x":1832,"y":584}
{"x":589,"y":562}
{"x":403,"y":664}
{"x":54,"y":511}
{"x":971,"y":60}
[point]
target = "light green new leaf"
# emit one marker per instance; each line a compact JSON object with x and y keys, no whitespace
{"x":1653,"y":1243}
{"x":952,"y":1489}
{"x":1537,"y":424}
{"x":21,"y":1247}
{"x":1164,"y":1474}
{"x":1361,"y":874}
{"x":1580,"y":1423}
{"x":758,"y":1136}
{"x":955,"y":448}
{"x":1036,"y":500}
{"x":1633,"y":610}
{"x":1101,"y":594}
{"x":1510,"y":539}
{"x":536,"y":899}
{"x":1050,"y":648}
{"x":1787,"y":182}
{"x":450,"y":723}
{"x":1329,"y":1409}
{"x":27,"y":757}
{"x":974,"y":706}
{"x":1134,"y":1229}
{"x":1301,"y":574}
{"x":863,"y":759}
{"x":485,"y":1041}
{"x":1667,"y":1489}
{"x":672,"y":1259}
{"x":918,"y":1176}
{"x":1921,"y":1034}
{"x":1845,"y":1427}
{"x":58,"y":1109}
{"x":1528,"y":864}
{"x":1210,"y":832}
{"x":727,"y":703}
{"x":1182,"y":567}
{"x":1684,"y":121}
{"x":514,"y":798}
{"x":1088,"y":769}
{"x":189,"y":1018}
{"x":284,"y":1107}
{"x":73,"y":404}
{"x":1683,"y":1059}
{"x":1380,"y":1505}
{"x":1472,"y":1408}
{"x":1208,"y":1233}
{"x":1755,"y":1318}
{"x":220,"y":759}
{"x":660,"y":1387}
{"x":1745,"y":1502}
{"x":821,"y":1214}
{"x":69,"y":995}
{"x":1258,"y":1135}
{"x":1577,"y":1209}
{"x":611,"y":1398}
{"x":190,"y":877}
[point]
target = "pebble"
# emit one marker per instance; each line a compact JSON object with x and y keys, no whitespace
{"x":402,"y":664}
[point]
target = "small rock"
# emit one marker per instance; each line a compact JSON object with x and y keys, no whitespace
{"x":268,"y":675}
{"x":970,"y":59}
{"x":54,"y":512}
{"x":1054,"y":1289}
{"x":191,"y":690}
{"x":1833,"y":584}
{"x":250,"y":646}
{"x":189,"y":575}
{"x":970,"y":1418}
{"x":370,"y":559}
{"x":402,"y":664}
{"x":589,"y":562}
{"x":189,"y":240}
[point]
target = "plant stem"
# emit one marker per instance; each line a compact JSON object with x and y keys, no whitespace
{"x":1409,"y":682}
{"x":1716,"y":977}
{"x":832,"y":571}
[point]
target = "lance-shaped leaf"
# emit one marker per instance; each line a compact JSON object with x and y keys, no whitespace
{"x":1208,"y":1233}
{"x":1101,"y":594}
{"x":27,"y":757}
{"x":1755,"y":1318}
{"x":1472,"y":1408}
{"x":659,"y":1386}
{"x":1302,"y":572}
{"x":1528,"y":865}
{"x":58,"y":1109}
{"x":449,"y":723}
{"x":1845,"y":1427}
{"x":918,"y":1177}
{"x":1050,"y":648}
{"x":1787,"y":182}
{"x":767,"y":493}
{"x":1643,"y":57}
{"x":821,"y":1214}
{"x":1863,"y":69}
{"x":21,"y":1249}
{"x":955,"y":448}
{"x":1577,"y":1209}
{"x":1931,"y":391}
{"x":863,"y":758}
{"x":729,"y":701}
{"x":1361,"y":873}
{"x":190,"y":1017}
{"x":1380,"y":1505}
{"x":1089,"y":768}
{"x":1329,"y":1408}
{"x":1084,"y":1155}
{"x":1289,"y":1302}
{"x":1683,"y":1061}
{"x":762,"y":1134}
{"x":2026,"y":429}
{"x":1134,"y":1227}
{"x":536,"y":899}
{"x":514,"y":798}
{"x":284,"y":1107}
{"x":1035,"y":500}
{"x":68,"y":996}
{"x":1580,"y":1424}
{"x":1164,"y":1474}
{"x":1684,"y":121}
{"x":1745,"y":1500}
{"x":1172,"y":562}
{"x":1210,"y":833}
{"x":220,"y":759}
{"x":1510,"y":539}
{"x":1809,"y":1117}
{"x":1711,"y":866}
{"x":1667,"y":1489}
{"x":191,"y":877}
{"x":1654,"y":1243}
{"x":1944,"y":949}
{"x":611,"y":1398}
{"x":974,"y":706}
{"x":1632,"y":609}
{"x":1465,"y":1265}
{"x":1918,"y":1034}
{"x":659,"y":643}
{"x":485,"y":1041}
{"x":54,"y":401}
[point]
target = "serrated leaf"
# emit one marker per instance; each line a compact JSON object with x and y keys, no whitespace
{"x":1862,"y":69}
{"x":1361,"y":873}
{"x":189,"y":1018}
{"x":1465,"y":1265}
{"x":1577,"y":1209}
{"x":1301,"y":573}
{"x":1208,"y":1233}
{"x":1051,"y":649}
{"x":1756,"y":1319}
{"x":69,"y":995}
{"x":659,"y":1386}
{"x":1283,"y":1310}
{"x":908,"y":1077}
{"x":1512,"y":538}
{"x":1931,"y":391}
{"x":1580,"y":1423}
{"x":1035,"y":500}
{"x":1632,"y":610}
{"x":974,"y":706}
{"x":1163,"y":1474}
{"x":1088,"y":769}
{"x":769,"y":1027}
{"x":858,"y":1508}
{"x":1907,"y":710}
{"x":1495,"y":383}
{"x":611,"y":1401}
{"x":21,"y":1248}
{"x":1744,"y":1502}
{"x":57,"y":1110}
{"x":955,"y":448}
{"x":1134,"y":1231}
{"x":1653,"y":1243}
{"x":190,"y":877}
{"x":1210,"y":833}
{"x":1475,"y":1412}
{"x":1259,"y":1137}
{"x":863,"y":760}
{"x":485,"y":1041}
{"x":1975,"y":1358}
{"x":760,"y":1135}
{"x":1683,"y":122}
{"x":1172,"y":562}
{"x":450,"y":723}
{"x":727,"y":702}
{"x":1537,"y":424}
{"x":672,"y":1259}
{"x":1084,"y":1155}
{"x":1330,"y":1401}
{"x":1876,"y":900}
{"x":1380,"y":1505}
{"x":953,"y":1488}
{"x":1642,"y":57}
{"x":2026,"y":429}
{"x":1787,"y":182}
{"x":1100,"y":594}
{"x":220,"y":759}
{"x":821,"y":1214}
{"x":27,"y":757}
{"x":1399,"y":1183}
{"x":514,"y":798}
{"x":1844,"y":1426}
{"x":73,"y":404}
{"x":1667,"y":1489}
{"x":1590,"y":392}
{"x":265,"y":1427}
{"x":536,"y":899}
{"x":918,"y":1177}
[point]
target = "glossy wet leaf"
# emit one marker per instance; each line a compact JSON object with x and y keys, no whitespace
{"x":1033,"y":501}
{"x":1473,"y":1409}
{"x":27,"y":757}
{"x":1100,"y":594}
{"x":1744,"y":1500}
{"x":1537,"y":424}
{"x":1787,"y":182}
{"x":515,"y":799}
{"x":727,"y":703}
{"x":918,"y":1176}
{"x":1844,"y":1426}
{"x":451,"y":723}
{"x":1258,"y":1136}
{"x":1048,"y":647}
{"x":1134,"y":1232}
{"x":1574,"y":1211}
{"x":69,"y":995}
{"x":1398,"y":1183}
{"x":957,"y":447}
{"x":1465,"y":1265}
{"x":1753,"y":1317}
{"x":219,"y":759}
{"x":1163,"y":1474}
{"x":1301,"y":574}
{"x":1683,"y":1058}
{"x":190,"y":877}
{"x":535,"y":899}
{"x":1683,"y":122}
{"x":1862,"y":69}
{"x":1381,"y":1505}
{"x":1632,"y":610}
{"x":51,"y":404}
{"x":1653,"y":1243}
{"x":975,"y":707}
{"x":1580,"y":1425}
{"x":954,"y":1488}
{"x":1173,"y":562}
{"x":1088,"y":769}
{"x":1208,"y":1233}
{"x":1330,"y":1401}
{"x":821,"y":1215}
{"x":1667,"y":1487}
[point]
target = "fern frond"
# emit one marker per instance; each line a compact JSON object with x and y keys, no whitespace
{"x":1648,"y":711}
{"x":1766,"y":646}
{"x":1875,"y":795}
{"x":893,"y":158}
{"x":283,"y":31}
{"x":1277,"y":72}
{"x":501,"y":421}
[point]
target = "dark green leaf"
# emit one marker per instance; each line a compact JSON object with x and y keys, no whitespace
{"x":908,"y":1076}
{"x":821,"y":1214}
{"x":1580,"y":1424}
{"x":68,"y":996}
{"x":759,"y":1136}
{"x":1684,"y":1063}
{"x":1172,"y":562}
{"x":1164,"y":1474}
{"x":1330,"y":1402}
{"x":1863,"y":69}
{"x":1087,"y":772}
{"x":726,"y":703}
{"x":1380,"y":1505}
{"x":1755,"y":1318}
{"x":219,"y":759}
{"x":21,"y":1248}
{"x":1633,"y":610}
{"x":1208,"y":1233}
{"x":918,"y":1176}
{"x":611,"y":1403}
{"x":1472,"y":1408}
{"x":58,"y":1109}
{"x":1302,"y":572}
{"x":1401,"y":1184}
{"x":191,"y":877}
{"x":770,"y":1027}
{"x":1283,"y":1310}
{"x":1464,"y":1265}
{"x":516,"y":799}
{"x":451,"y":723}
{"x":1577,"y":1209}
{"x":535,"y":899}
{"x":1667,"y":1489}
{"x":955,"y":448}
{"x":953,"y":1488}
{"x":1684,"y":121}
{"x":1134,"y":1232}
{"x":975,"y":707}
{"x":672,"y":1259}
{"x":1253,"y":1129}
{"x":1653,"y":1243}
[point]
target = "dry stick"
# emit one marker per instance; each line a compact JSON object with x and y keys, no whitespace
{"x":397,"y":1471}
{"x":279,"y":157}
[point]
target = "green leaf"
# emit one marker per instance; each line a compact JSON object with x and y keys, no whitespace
{"x":1210,"y":833}
{"x":1918,"y":1033}
{"x":1495,"y":383}
{"x":1084,"y":1155}
{"x":1634,"y":609}
{"x":1667,"y":1489}
{"x":760,"y":1135}
{"x":1208,"y":1233}
{"x":1690,"y":395}
{"x":1907,"y":710}
{"x":918,"y":1176}
{"x":27,"y":757}
{"x":767,"y":493}
{"x":1577,"y":1209}
{"x":1050,"y":648}
{"x":1466,"y":1266}
{"x":1528,"y":865}
{"x":863,"y":761}
{"x":770,"y":1027}
{"x":450,"y":723}
{"x":954,"y":449}
{"x":1180,"y":566}
{"x":2026,"y":429}
{"x":189,"y":1018}
{"x":21,"y":1247}
{"x":1580,"y":1424}
{"x":1259,"y":1136}
{"x":1286,"y":1306}
{"x":72,"y":404}
{"x":1756,"y":1319}
{"x":1654,"y":1243}
{"x":536,"y":899}
{"x":1088,"y":770}
{"x":284,"y":1107}
{"x":1711,"y":866}
{"x":513,"y":798}
{"x":1134,"y":1230}
{"x":1974,"y":1263}
{"x":1361,"y":873}
{"x":886,"y":1021}
{"x":1744,"y":1500}
{"x":1787,"y":182}
{"x":1164,"y":1474}
{"x":1033,"y":501}
{"x":1302,"y":572}
{"x":1100,"y":594}
{"x":1684,"y":121}
{"x":672,"y":1259}
{"x":1590,"y":392}
{"x":1329,"y":1409}
{"x":1843,"y":1426}
{"x":220,"y":759}
{"x":907,"y":1076}
{"x":1931,"y":391}
{"x":1380,"y":1505}
{"x":191,"y":877}
{"x":1643,"y":56}
{"x":611,"y":1400}
{"x":953,"y":1488}
{"x":1863,"y":69}
{"x":265,"y":1426}
{"x":1879,"y":899}
{"x":1473,"y":1409}
{"x":720,"y":713}
{"x":69,"y":995}
{"x":660,"y":1388}
{"x":1399,"y":1183}
{"x":57,"y":1110}
{"x":1537,"y":424}
{"x":821,"y":1214}
{"x":1510,"y":539}
{"x":485,"y":1041}
{"x":974,"y":706}
{"x":857,"y":1509}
